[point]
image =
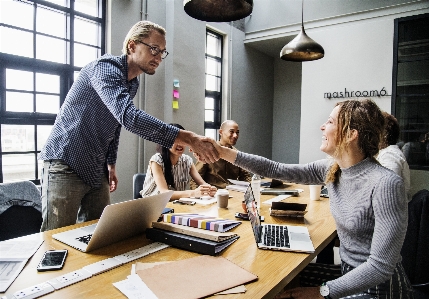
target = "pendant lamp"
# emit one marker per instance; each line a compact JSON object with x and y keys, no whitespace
{"x":218,"y":10}
{"x":302,"y":47}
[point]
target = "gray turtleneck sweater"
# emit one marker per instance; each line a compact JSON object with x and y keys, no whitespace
{"x":369,"y":207}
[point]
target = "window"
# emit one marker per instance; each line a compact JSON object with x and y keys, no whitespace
{"x":43,"y":45}
{"x":410,"y":99}
{"x":213,"y":99}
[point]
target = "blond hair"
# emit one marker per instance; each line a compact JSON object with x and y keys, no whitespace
{"x":365,"y":117}
{"x":139,"y":31}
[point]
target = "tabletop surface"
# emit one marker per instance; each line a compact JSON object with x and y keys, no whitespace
{"x":275,"y":269}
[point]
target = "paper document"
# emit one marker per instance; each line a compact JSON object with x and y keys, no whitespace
{"x":134,"y":288}
{"x":275,"y":199}
{"x":13,"y":257}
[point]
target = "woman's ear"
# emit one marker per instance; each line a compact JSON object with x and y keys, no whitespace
{"x":352,"y":135}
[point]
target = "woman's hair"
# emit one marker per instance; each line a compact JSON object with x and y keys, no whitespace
{"x":391,"y":131}
{"x":139,"y":31}
{"x":165,"y":154}
{"x":365,"y":117}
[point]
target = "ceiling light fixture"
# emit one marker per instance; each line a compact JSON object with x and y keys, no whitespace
{"x":302,"y":47}
{"x":218,"y":10}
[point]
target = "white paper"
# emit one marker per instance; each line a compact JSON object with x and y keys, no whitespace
{"x":275,"y":199}
{"x":134,"y":288}
{"x":14,"y":255}
{"x":240,"y":183}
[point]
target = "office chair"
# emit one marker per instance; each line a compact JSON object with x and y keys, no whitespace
{"x":138,"y":180}
{"x":415,"y":258}
{"x":20,"y":210}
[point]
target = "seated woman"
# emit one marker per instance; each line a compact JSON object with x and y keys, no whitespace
{"x":170,"y":169}
{"x":390,"y":155}
{"x":367,"y":202}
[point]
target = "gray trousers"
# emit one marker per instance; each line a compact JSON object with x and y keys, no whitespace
{"x":66,"y":199}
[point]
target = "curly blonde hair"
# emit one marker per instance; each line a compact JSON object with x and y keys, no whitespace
{"x":365,"y":117}
{"x":139,"y":31}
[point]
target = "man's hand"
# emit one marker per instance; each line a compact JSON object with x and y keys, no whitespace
{"x":113,"y":179}
{"x":200,"y":145}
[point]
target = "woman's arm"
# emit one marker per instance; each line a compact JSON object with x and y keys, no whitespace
{"x":211,"y":190}
{"x":158,"y":176}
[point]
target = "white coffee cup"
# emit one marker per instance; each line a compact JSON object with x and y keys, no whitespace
{"x":315,"y":191}
{"x":222,"y":196}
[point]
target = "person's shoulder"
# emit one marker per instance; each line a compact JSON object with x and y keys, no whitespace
{"x":156,"y":158}
{"x":186,"y":158}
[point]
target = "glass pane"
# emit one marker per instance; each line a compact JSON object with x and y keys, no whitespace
{"x":18,"y":167}
{"x":59,"y":2}
{"x":50,"y":49}
{"x":210,"y":133}
{"x":19,"y":101}
{"x":209,"y":115}
{"x":213,"y":46}
{"x":46,"y":17}
{"x":17,"y":138}
{"x":89,"y":7}
{"x":42,"y":135}
{"x":23,"y":19}
{"x":47,"y":103}
{"x":212,"y":83}
{"x":8,"y":44}
{"x":413,"y":73}
{"x":84,"y":54}
{"x":75,"y":75}
{"x":47,"y":83}
{"x":20,"y":80}
{"x":213,"y":67}
{"x":209,"y":103}
{"x":86,"y":32}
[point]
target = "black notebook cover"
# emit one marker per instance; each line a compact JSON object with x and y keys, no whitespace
{"x":188,"y":242}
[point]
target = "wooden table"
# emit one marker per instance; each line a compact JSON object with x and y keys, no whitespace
{"x":275,"y":269}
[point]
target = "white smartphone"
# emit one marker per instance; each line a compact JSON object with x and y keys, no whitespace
{"x":52,"y":260}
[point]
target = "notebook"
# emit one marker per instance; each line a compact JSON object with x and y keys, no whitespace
{"x":274,"y":236}
{"x":118,"y":221}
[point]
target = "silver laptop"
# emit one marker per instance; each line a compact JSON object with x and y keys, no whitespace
{"x":274,"y":236}
{"x":118,"y":221}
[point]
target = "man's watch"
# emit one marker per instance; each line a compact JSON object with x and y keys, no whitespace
{"x":324,"y":291}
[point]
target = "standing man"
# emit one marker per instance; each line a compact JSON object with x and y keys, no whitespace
{"x":218,"y":173}
{"x":80,"y":153}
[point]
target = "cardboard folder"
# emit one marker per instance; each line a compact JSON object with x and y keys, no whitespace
{"x":196,"y":277}
{"x":187,"y":242}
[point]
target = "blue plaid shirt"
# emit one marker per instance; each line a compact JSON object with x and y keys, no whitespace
{"x":87,"y":128}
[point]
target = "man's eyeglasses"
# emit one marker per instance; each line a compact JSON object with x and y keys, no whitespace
{"x":154,"y":50}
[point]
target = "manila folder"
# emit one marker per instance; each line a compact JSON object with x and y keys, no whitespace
{"x":204,"y":276}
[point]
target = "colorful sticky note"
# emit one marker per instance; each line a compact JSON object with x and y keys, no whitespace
{"x":175,"y":104}
{"x":176,"y":94}
{"x":176,"y":83}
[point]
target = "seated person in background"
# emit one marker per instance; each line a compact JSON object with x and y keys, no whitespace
{"x":170,"y":169}
{"x":390,"y":155}
{"x":367,"y":202}
{"x":218,"y":173}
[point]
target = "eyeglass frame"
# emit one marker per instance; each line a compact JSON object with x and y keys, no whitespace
{"x":153,"y":49}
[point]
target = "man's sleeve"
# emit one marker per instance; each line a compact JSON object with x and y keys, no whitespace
{"x":112,"y":151}
{"x":244,"y":175}
{"x":201,"y":168}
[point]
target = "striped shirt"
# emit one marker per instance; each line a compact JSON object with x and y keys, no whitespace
{"x":370,"y":211}
{"x":181,"y":174}
{"x":87,"y":128}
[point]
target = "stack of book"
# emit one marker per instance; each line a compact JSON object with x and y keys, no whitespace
{"x":194,"y":232}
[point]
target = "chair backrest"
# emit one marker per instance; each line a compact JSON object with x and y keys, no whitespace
{"x":20,"y":209}
{"x":415,"y":257}
{"x":138,"y":180}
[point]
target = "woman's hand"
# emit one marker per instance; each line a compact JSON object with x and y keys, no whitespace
{"x":300,"y":293}
{"x":212,"y":191}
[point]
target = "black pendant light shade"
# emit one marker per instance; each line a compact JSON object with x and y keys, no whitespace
{"x":218,"y":10}
{"x":302,"y":48}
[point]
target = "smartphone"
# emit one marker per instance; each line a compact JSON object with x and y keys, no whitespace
{"x":185,"y":202}
{"x":52,"y":260}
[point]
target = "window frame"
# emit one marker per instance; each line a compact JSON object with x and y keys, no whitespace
{"x":65,"y":71}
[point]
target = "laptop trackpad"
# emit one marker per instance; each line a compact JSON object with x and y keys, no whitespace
{"x":298,"y":237}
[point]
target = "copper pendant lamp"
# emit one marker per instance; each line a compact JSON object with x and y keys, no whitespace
{"x":218,"y":10}
{"x":302,"y":47}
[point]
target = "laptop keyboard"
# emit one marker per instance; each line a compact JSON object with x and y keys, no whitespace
{"x":85,"y":239}
{"x":276,"y":236}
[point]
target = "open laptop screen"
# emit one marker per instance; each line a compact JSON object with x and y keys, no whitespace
{"x":252,"y":211}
